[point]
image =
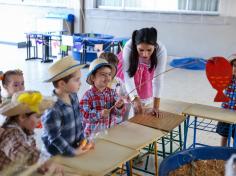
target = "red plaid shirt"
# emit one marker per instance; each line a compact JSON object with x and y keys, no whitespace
{"x":17,"y":148}
{"x":92,"y":104}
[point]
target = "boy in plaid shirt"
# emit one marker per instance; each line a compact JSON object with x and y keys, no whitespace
{"x":223,"y":128}
{"x":100,"y":106}
{"x":62,"y":124}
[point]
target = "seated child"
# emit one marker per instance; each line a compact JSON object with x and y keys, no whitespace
{"x":223,"y":128}
{"x":17,"y":145}
{"x":62,"y":124}
{"x":100,"y":105}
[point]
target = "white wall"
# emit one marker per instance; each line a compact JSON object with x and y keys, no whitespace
{"x":16,"y":20}
{"x":183,"y":35}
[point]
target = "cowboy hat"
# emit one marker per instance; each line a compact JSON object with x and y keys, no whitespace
{"x":26,"y":102}
{"x":63,"y":68}
{"x":96,"y":64}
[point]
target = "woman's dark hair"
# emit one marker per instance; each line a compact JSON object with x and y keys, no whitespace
{"x":144,"y":35}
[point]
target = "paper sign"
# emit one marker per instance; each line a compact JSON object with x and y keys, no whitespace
{"x":67,"y":40}
{"x":98,"y":48}
{"x":78,"y":46}
{"x":63,"y":48}
{"x":39,"y":42}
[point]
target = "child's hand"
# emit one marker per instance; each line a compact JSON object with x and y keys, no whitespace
{"x":138,"y":108}
{"x":84,"y":146}
{"x":105,"y":113}
{"x":119,"y":104}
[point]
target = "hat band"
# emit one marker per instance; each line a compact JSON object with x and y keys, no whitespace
{"x":64,"y":71}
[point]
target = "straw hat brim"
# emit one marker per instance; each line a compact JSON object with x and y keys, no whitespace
{"x":13,"y":109}
{"x":113,"y":71}
{"x":64,"y":73}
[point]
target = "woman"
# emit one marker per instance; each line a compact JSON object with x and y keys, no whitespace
{"x":143,"y":59}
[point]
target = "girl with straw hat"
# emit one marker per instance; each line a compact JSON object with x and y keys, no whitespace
{"x":17,"y":145}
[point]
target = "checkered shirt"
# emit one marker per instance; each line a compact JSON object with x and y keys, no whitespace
{"x":230,"y":92}
{"x":92,"y":104}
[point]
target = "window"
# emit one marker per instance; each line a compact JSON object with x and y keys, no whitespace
{"x":48,"y":3}
{"x":209,"y":6}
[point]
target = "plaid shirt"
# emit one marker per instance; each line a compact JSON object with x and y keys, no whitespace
{"x":92,"y":103}
{"x":62,"y":125}
{"x":17,"y":148}
{"x":230,"y":92}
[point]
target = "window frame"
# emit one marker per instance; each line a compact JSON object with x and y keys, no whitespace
{"x":190,"y":12}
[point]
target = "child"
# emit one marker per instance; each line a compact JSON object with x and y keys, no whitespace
{"x":62,"y":124}
{"x":100,"y":106}
{"x":17,"y":145}
{"x":12,"y":82}
{"x":223,"y":128}
{"x":117,"y":83}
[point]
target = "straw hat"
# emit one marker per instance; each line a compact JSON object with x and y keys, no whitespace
{"x":63,"y":68}
{"x":26,"y":102}
{"x":96,"y":64}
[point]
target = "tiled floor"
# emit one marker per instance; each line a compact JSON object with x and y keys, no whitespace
{"x":184,"y":85}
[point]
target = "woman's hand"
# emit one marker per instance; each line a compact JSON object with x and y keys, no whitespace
{"x":155,"y":110}
{"x":138,"y":108}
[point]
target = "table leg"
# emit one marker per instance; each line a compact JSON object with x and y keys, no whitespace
{"x":156,"y":158}
{"x":234,"y":142}
{"x":46,"y":49}
{"x":130,"y":167}
{"x":230,"y":134}
{"x":194,"y":132}
{"x":186,"y":125}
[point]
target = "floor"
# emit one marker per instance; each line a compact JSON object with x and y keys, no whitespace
{"x":184,"y":85}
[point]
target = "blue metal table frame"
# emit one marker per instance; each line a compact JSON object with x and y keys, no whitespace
{"x":212,"y":114}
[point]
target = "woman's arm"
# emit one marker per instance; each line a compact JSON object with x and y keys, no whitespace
{"x":158,"y":82}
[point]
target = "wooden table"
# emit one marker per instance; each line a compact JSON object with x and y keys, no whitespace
{"x":212,"y":113}
{"x":106,"y":157}
{"x":167,"y":122}
{"x":173,"y":106}
{"x":135,"y":136}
